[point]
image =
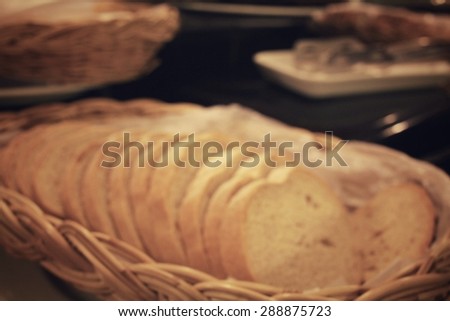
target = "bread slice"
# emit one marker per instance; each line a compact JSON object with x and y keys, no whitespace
{"x":34,"y":154}
{"x":74,"y":169}
{"x":93,"y":190}
{"x":61,"y":143}
{"x":140,"y":187}
{"x":83,"y":143}
{"x":58,"y":145}
{"x":7,"y":157}
{"x":169,"y":187}
{"x":49,"y":152}
{"x":290,"y":231}
{"x":16,"y":157}
{"x":3,"y":157}
{"x":219,"y":201}
{"x":27,"y":159}
{"x":191,"y":214}
{"x":169,"y":184}
{"x":117,"y":191}
{"x":397,"y":223}
{"x":94,"y":184}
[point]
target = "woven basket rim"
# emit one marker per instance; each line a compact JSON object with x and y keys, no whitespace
{"x":101,"y":265}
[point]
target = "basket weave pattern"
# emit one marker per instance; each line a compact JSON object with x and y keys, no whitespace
{"x":113,"y":270}
{"x":94,"y":52}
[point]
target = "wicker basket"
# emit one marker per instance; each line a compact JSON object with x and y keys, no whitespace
{"x":113,"y":270}
{"x":374,"y":23}
{"x":118,"y":42}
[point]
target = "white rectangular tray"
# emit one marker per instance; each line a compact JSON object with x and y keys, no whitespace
{"x":280,"y":67}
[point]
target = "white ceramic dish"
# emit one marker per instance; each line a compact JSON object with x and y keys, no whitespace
{"x":280,"y":67}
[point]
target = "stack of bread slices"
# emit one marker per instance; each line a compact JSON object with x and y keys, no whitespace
{"x":231,"y":214}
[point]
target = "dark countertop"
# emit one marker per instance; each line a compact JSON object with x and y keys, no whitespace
{"x":24,"y":280}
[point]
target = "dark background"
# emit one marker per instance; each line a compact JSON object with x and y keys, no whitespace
{"x":210,"y":62}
